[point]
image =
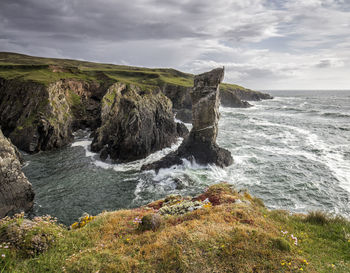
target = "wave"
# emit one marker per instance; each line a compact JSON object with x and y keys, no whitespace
{"x":124,"y":167}
{"x":336,"y":115}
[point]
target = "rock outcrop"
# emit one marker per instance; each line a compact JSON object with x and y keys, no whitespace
{"x":230,"y":96}
{"x":38,"y":117}
{"x":16,"y":192}
{"x":243,"y":94}
{"x":201,"y":145}
{"x":230,"y":99}
{"x":135,"y":123}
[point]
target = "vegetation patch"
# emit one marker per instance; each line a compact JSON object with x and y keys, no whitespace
{"x":240,"y":236}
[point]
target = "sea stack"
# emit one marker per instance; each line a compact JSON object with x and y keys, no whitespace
{"x":16,"y":192}
{"x":201,"y":145}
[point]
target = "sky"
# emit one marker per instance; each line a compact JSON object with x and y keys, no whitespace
{"x":263,"y":44}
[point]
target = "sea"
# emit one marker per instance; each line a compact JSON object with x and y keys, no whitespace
{"x":293,"y":152}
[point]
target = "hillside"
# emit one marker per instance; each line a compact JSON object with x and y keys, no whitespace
{"x":221,"y":230}
{"x":48,"y":70}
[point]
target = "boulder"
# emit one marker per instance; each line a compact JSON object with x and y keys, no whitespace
{"x":16,"y":192}
{"x":201,"y":145}
{"x":135,"y":123}
{"x":150,"y":222}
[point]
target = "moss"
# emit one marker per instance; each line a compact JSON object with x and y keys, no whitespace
{"x":281,"y":244}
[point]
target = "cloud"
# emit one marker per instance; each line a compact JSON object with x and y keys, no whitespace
{"x":270,"y":43}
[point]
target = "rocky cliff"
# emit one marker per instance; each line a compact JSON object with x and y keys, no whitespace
{"x":39,"y":117}
{"x":16,"y":192}
{"x":135,"y":123}
{"x":243,"y":94}
{"x":201,"y":145}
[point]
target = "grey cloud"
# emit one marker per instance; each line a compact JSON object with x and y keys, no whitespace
{"x":186,"y":34}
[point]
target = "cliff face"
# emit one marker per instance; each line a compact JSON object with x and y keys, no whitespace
{"x":38,"y":117}
{"x":135,"y":123}
{"x":243,"y":93}
{"x":16,"y":192}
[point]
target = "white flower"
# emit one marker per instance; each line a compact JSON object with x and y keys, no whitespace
{"x":3,"y":255}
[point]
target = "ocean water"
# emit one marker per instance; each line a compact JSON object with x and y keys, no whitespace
{"x":293,"y":152}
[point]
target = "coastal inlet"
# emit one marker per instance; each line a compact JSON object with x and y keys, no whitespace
{"x":293,"y":152}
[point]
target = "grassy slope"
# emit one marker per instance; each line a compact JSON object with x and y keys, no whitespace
{"x":13,"y":65}
{"x":226,"y":237}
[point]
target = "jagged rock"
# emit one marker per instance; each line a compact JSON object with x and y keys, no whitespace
{"x":39,"y":117}
{"x":135,"y":123}
{"x":185,"y":115}
{"x":16,"y":192}
{"x":201,"y":145}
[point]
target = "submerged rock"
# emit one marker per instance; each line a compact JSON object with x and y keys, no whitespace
{"x":201,"y":145}
{"x":135,"y":123}
{"x":16,"y":192}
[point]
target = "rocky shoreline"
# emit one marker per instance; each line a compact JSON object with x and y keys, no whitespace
{"x":129,"y":110}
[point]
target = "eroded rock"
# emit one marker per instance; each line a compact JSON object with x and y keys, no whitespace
{"x":16,"y":192}
{"x":135,"y":123}
{"x":201,"y":145}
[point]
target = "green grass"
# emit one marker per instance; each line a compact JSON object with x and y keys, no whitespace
{"x":225,"y":236}
{"x":19,"y":66}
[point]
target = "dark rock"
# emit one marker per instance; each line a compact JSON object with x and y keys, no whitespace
{"x":135,"y":123}
{"x":16,"y":192}
{"x":230,"y":99}
{"x":201,"y":143}
{"x":40,"y":117}
{"x":104,"y":154}
{"x":185,"y":115}
{"x":179,"y":95}
{"x":181,"y":129}
{"x":246,"y":94}
{"x":150,"y":222}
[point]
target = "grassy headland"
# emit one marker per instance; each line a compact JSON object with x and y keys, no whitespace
{"x":221,"y":230}
{"x":49,"y":70}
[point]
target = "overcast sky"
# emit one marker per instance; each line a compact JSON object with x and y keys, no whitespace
{"x":264,"y":44}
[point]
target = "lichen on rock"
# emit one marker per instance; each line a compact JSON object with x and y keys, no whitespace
{"x":134,"y":123}
{"x":16,"y":192}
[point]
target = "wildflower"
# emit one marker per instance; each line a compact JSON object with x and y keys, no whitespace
{"x":264,"y":215}
{"x":137,"y":220}
{"x":6,"y":246}
{"x":333,"y":265}
{"x":284,"y":232}
{"x":289,"y":263}
{"x":3,"y":255}
{"x":295,"y":239}
{"x":283,"y":263}
{"x":301,"y":269}
{"x":128,"y":239}
{"x":222,"y":246}
{"x":305,"y":261}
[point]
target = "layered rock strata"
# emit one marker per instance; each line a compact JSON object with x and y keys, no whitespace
{"x":16,"y":192}
{"x":135,"y":123}
{"x":201,"y":145}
